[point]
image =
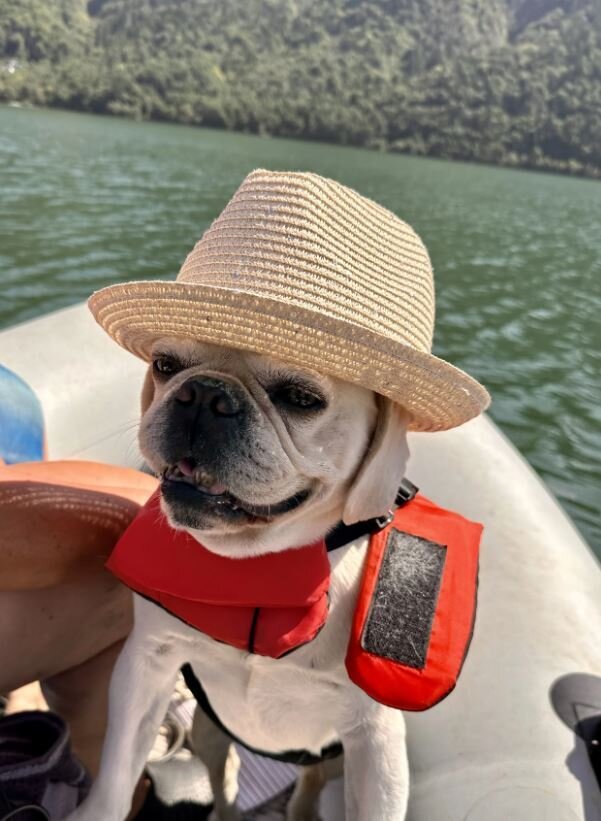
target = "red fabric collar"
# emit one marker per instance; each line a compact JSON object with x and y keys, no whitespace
{"x":269,"y":604}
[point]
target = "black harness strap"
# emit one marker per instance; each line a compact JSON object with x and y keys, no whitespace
{"x":343,"y":534}
{"x":302,"y":758}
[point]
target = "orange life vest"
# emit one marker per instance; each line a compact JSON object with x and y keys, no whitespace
{"x":412,"y":625}
{"x":414,"y":614}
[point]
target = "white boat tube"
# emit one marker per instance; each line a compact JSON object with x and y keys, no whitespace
{"x":496,"y":748}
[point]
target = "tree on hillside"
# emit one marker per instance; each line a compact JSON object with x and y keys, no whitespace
{"x":505,"y":81}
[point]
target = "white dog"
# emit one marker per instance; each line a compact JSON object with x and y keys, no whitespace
{"x":257,"y":456}
{"x":275,"y":456}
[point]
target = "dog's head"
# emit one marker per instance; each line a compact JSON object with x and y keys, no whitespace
{"x":256,"y":455}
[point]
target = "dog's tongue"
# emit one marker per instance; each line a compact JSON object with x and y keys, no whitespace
{"x":189,"y":469}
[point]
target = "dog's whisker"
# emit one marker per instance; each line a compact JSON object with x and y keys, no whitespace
{"x":127,"y":425}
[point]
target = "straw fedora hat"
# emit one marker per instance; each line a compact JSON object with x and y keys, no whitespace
{"x":308,"y":271}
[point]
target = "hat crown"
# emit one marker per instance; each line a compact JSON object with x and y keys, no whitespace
{"x":308,"y":271}
{"x":318,"y":245}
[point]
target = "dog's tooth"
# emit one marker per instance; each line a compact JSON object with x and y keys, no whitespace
{"x":199,"y":475}
{"x":204,"y":478}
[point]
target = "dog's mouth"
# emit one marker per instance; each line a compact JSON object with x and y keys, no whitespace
{"x":187,"y":482}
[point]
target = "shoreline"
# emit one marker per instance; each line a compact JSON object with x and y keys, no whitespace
{"x":578,"y":171}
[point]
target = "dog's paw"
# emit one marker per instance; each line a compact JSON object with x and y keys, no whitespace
{"x":226,"y":814}
{"x":303,"y":815}
{"x":77,"y":815}
{"x":91,"y":811}
{"x":303,"y":805}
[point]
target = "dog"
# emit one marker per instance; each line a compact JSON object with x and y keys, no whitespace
{"x":290,"y":357}
{"x":256,"y":456}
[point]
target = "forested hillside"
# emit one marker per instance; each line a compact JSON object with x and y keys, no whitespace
{"x":516,"y":82}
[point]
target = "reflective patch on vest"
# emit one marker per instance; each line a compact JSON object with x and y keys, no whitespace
{"x":404,"y":601}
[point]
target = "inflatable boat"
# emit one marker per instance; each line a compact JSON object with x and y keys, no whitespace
{"x":519,"y":739}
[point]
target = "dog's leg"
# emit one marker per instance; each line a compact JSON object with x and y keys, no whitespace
{"x":304,"y":801}
{"x":376,"y":770}
{"x":141,"y":686}
{"x":216,"y":751}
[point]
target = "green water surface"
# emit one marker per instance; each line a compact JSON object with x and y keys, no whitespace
{"x":86,"y":201}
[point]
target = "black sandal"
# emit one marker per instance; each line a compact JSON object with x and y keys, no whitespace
{"x":40,"y":778}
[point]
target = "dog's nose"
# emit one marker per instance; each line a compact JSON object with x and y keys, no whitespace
{"x":209,"y":394}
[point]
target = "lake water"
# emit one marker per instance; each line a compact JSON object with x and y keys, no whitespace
{"x":86,"y":201}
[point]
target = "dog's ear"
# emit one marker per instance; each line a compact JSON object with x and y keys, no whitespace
{"x":147,"y":391}
{"x":375,"y":485}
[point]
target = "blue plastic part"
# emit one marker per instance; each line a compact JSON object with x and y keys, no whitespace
{"x":21,"y":420}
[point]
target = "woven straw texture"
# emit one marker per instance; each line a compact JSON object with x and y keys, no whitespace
{"x":307,"y":270}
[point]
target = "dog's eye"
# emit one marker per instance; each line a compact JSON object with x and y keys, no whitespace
{"x":297,"y":397}
{"x":165,"y":365}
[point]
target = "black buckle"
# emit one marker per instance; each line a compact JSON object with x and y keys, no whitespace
{"x":381,"y":522}
{"x":406,"y":492}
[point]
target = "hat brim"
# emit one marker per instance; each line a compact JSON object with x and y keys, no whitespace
{"x":438,"y":395}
